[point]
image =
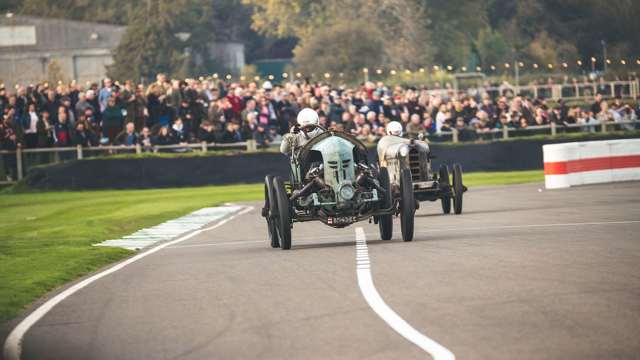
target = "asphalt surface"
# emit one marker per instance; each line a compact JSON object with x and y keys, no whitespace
{"x":521,"y":274}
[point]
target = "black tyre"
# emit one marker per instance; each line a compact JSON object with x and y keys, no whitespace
{"x":385,"y":222}
{"x":445,"y":186}
{"x":269,"y":211}
{"x":407,"y":205}
{"x":283,"y":215}
{"x":458,"y":188}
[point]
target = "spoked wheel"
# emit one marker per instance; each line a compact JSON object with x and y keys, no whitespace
{"x":458,"y":188}
{"x":445,"y":185}
{"x":269,"y":211}
{"x":385,"y":222}
{"x":407,"y":205}
{"x":283,"y":216}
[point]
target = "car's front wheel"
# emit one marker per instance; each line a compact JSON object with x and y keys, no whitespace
{"x":283,"y":222}
{"x":385,"y":222}
{"x":408,"y":205}
{"x":445,"y":187}
{"x":269,"y":211}
{"x":458,"y":189}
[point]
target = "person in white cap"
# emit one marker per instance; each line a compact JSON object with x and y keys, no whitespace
{"x":394,"y":137}
{"x":394,"y":128}
{"x":305,"y":129}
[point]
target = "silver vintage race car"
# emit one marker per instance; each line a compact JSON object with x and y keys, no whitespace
{"x":332,"y":181}
{"x":404,"y":157}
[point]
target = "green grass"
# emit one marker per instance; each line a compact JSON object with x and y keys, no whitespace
{"x":502,"y":178}
{"x":46,"y":237}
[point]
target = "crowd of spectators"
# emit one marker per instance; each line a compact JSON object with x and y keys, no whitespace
{"x":183,"y":111}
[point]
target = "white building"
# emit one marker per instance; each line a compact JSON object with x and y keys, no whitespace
{"x":32,"y":47}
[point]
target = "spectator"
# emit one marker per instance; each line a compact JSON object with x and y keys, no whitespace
{"x":80,"y":136}
{"x":465,"y":133}
{"x":44,"y":130}
{"x":61,"y":134}
{"x":261,"y":136}
{"x":112,"y":120}
{"x":231,"y":133}
{"x":179,"y":132}
{"x":105,"y":94}
{"x":145,"y":139}
{"x":163,"y":138}
{"x":128,"y":137}
{"x":414,"y":128}
{"x":206,"y":132}
{"x":30,"y":126}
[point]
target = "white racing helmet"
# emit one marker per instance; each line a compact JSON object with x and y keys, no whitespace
{"x":394,"y":128}
{"x":308,"y":117}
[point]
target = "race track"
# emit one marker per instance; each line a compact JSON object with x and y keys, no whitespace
{"x":522,"y":274}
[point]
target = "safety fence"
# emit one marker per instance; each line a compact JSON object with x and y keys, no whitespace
{"x":551,"y":129}
{"x":15,"y":164}
{"x":582,"y":91}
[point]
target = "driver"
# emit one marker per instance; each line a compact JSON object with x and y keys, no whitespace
{"x":306,"y":129}
{"x":393,"y":137}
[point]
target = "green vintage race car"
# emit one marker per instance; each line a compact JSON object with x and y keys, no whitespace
{"x":332,"y":181}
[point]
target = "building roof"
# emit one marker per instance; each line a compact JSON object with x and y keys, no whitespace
{"x":57,"y":34}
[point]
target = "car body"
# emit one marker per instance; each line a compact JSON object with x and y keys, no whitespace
{"x":331,"y":181}
{"x":397,"y":154}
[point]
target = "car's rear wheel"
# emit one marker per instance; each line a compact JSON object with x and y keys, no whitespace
{"x":408,"y":205}
{"x":385,"y":222}
{"x":269,"y":211}
{"x":445,"y":187}
{"x":458,"y":188}
{"x":283,"y":219}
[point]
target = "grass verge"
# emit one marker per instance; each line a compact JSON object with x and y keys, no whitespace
{"x":46,"y":237}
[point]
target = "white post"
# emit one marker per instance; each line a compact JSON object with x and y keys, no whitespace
{"x":19,"y":162}
{"x":79,"y":151}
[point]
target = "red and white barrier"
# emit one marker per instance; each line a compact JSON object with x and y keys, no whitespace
{"x":591,"y":162}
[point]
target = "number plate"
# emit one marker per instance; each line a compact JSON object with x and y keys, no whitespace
{"x":341,"y":220}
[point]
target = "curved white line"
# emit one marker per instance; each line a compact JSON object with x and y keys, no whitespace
{"x":13,"y":344}
{"x":375,"y":301}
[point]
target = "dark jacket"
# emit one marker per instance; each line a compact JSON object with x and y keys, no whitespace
{"x":112,"y":117}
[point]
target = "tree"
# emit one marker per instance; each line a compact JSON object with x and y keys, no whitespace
{"x":492,"y":47}
{"x":151,"y":47}
{"x":347,"y":47}
{"x":398,"y":26}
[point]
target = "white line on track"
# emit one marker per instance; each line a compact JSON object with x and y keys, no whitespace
{"x":375,"y":301}
{"x":13,"y":344}
{"x":458,"y":229}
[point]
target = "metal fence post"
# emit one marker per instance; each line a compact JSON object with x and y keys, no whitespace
{"x":19,"y":162}
{"x":251,"y":145}
{"x":138,"y":149}
{"x":505,"y":132}
{"x":604,"y":126}
{"x":204,"y":146}
{"x":454,"y":135}
{"x":56,"y":156}
{"x":79,"y":151}
{"x":553,"y":128}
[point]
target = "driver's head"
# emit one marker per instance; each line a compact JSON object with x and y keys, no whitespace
{"x":308,"y":119}
{"x":394,"y":128}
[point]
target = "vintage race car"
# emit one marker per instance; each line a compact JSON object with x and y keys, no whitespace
{"x":400,"y":155}
{"x":332,"y":181}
